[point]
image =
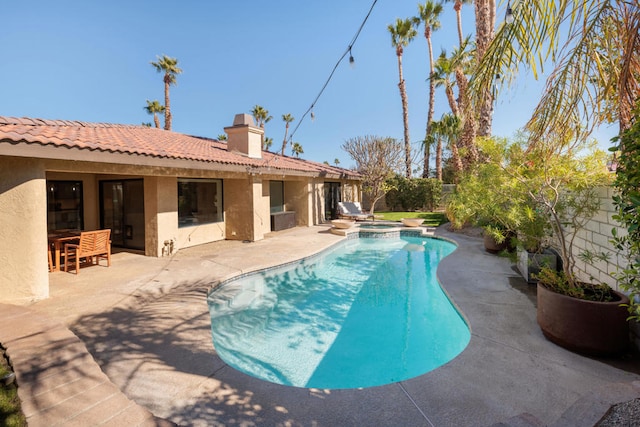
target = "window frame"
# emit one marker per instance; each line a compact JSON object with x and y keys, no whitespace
{"x":54,"y":204}
{"x":200,"y":218}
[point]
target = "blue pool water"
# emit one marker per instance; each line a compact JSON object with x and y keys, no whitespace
{"x":367,"y":312}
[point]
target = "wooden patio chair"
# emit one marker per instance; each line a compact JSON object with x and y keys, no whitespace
{"x":92,"y":245}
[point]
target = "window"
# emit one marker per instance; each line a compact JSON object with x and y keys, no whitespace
{"x":276,"y":192}
{"x":199,"y":201}
{"x":64,"y":205}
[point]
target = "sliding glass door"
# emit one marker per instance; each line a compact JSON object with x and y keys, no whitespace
{"x":122,"y":210}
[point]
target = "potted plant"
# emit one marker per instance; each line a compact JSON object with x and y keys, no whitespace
{"x":533,"y":245}
{"x":560,"y":187}
{"x":573,"y":311}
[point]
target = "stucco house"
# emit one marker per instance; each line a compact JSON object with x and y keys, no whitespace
{"x":158,"y":191}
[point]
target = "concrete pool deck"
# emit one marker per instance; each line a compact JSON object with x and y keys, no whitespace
{"x":146,"y":323}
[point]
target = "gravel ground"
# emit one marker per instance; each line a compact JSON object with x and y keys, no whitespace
{"x":622,"y":415}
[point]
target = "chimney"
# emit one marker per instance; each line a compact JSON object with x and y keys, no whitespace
{"x":244,"y":136}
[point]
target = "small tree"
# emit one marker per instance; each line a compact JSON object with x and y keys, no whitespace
{"x":627,"y":202}
{"x":377,"y":159}
{"x":561,"y":187}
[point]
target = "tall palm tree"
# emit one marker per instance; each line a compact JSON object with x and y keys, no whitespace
{"x":461,"y":63}
{"x":594,"y":48}
{"x":485,"y":24}
{"x":296,"y":149}
{"x":288,"y":118}
{"x":485,"y":14}
{"x":402,"y":33}
{"x":429,"y":15}
{"x":154,"y":107}
{"x":261,"y":116}
{"x":444,"y":75}
{"x":436,"y":136}
{"x":168,"y":66}
{"x":444,"y":71}
{"x":457,"y":6}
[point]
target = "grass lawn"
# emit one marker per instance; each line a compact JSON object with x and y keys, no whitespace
{"x":431,"y":219}
{"x":10,"y":413}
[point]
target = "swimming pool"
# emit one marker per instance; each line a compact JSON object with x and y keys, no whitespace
{"x":367,"y":312}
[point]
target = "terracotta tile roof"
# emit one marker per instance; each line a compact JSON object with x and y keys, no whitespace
{"x":141,"y":140}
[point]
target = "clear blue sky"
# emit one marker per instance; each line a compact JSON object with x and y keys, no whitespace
{"x":90,"y":61}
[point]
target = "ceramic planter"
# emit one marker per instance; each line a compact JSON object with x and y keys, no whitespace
{"x":412,"y":222}
{"x":588,"y":327}
{"x":491,"y":246}
{"x":342,"y":223}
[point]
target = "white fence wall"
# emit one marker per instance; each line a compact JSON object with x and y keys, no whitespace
{"x":596,"y":238}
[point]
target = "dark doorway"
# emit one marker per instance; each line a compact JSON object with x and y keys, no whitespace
{"x":332,"y":195}
{"x":122,"y":210}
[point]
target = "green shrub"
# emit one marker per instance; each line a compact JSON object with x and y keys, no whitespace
{"x":414,"y":194}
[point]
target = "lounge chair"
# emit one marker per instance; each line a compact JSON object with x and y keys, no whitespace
{"x":353,"y":210}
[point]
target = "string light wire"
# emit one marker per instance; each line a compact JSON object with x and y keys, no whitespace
{"x":346,"y":52}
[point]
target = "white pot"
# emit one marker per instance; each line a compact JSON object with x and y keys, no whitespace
{"x":412,"y":222}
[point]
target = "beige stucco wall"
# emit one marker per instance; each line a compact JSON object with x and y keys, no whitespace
{"x":297,"y":196}
{"x":23,"y":230}
{"x":247,"y":208}
{"x":261,"y":205}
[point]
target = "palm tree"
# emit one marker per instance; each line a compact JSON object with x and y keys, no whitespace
{"x":444,"y":71}
{"x":595,"y":51}
{"x":288,"y":118}
{"x":485,"y":24}
{"x":402,"y":33}
{"x":222,"y":137}
{"x":449,"y":129}
{"x":457,"y":6}
{"x":336,"y":161}
{"x":261,"y":116}
{"x":168,"y":66}
{"x":268,"y":142}
{"x":154,"y":107}
{"x":444,"y":76}
{"x":436,"y":137}
{"x":429,"y":15}
{"x":296,"y":149}
{"x":461,"y":63}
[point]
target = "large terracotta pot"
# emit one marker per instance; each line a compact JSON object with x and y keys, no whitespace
{"x":589,"y":327}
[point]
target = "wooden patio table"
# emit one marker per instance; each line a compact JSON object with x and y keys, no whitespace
{"x":58,"y":238}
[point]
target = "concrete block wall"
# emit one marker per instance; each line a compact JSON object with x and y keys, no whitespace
{"x":596,"y":237}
